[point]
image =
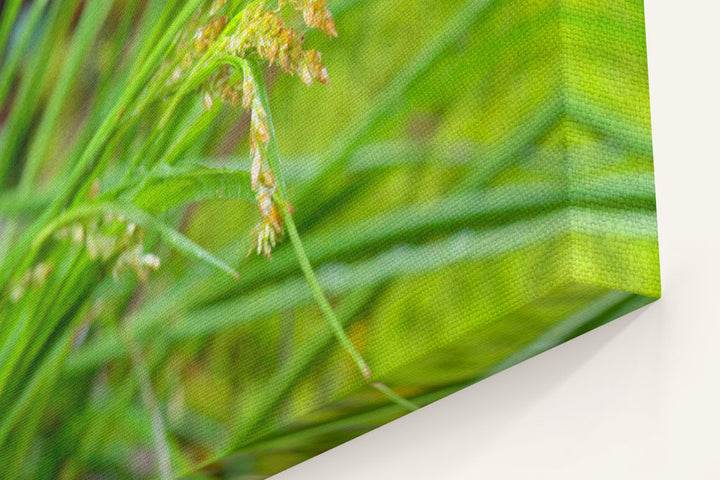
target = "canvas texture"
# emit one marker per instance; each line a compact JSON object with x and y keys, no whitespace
{"x":235,"y":234}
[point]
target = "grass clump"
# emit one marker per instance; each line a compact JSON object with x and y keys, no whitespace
{"x":157,"y":93}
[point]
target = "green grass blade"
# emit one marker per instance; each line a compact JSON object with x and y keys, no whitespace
{"x":9,"y":14}
{"x":167,"y":186}
{"x":91,"y":22}
{"x":169,"y":235}
{"x":14,"y":55}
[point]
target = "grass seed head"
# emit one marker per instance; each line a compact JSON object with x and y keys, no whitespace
{"x":255,"y":32}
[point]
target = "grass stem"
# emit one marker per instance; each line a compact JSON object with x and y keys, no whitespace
{"x":319,"y":295}
{"x":305,"y":266}
{"x":160,"y":442}
{"x":329,"y":314}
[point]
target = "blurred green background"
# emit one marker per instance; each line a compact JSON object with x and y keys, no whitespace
{"x":473,"y":187}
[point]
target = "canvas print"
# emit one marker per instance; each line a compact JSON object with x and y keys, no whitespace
{"x":235,"y":234}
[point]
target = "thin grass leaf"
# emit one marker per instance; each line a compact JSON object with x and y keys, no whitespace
{"x":90,"y":26}
{"x":160,"y":441}
{"x":15,"y":54}
{"x":14,"y":203}
{"x":9,"y":14}
{"x":167,"y":186}
{"x":169,"y":235}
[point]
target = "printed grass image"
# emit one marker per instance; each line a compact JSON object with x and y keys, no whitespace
{"x":235,"y":234}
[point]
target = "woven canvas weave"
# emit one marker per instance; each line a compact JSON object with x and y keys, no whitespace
{"x":234,"y":234}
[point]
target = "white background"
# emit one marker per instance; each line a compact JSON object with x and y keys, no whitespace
{"x":637,"y":398}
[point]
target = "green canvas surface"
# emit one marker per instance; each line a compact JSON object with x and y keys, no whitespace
{"x":450,"y":189}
